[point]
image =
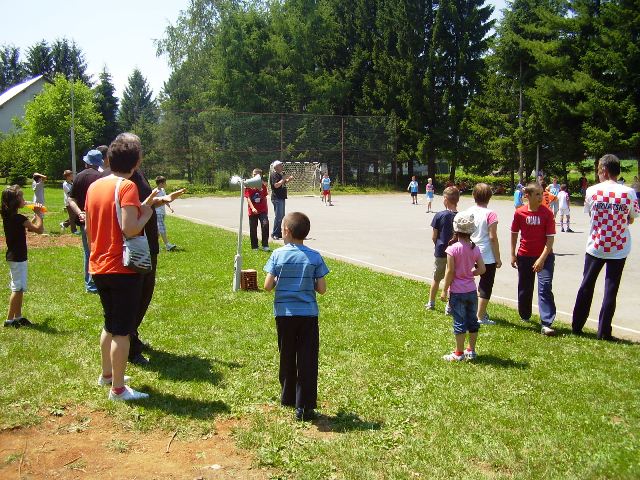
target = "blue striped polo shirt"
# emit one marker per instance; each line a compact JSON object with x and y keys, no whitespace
{"x":297,"y":268}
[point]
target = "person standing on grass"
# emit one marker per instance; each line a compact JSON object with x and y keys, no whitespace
{"x":37,"y":185}
{"x":66,"y":189}
{"x":429,"y":189}
{"x":563,"y":208}
{"x":536,"y":227}
{"x":278,"y":182}
{"x":258,"y":213}
{"x":413,"y":189}
{"x":442,"y":225}
{"x":15,"y":227}
{"x":77,"y":197}
{"x":297,"y":273}
{"x":464,"y":262}
{"x":612,"y":208}
{"x":161,"y":182}
{"x":325,"y":185}
{"x":485,"y":237}
{"x":120,"y":288}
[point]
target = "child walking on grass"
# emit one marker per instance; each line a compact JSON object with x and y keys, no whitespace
{"x":161,"y":183}
{"x":464,"y":262}
{"x":442,"y":225}
{"x":15,"y":226}
{"x":297,"y":273}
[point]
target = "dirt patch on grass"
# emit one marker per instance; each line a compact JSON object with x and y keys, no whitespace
{"x":45,"y":241}
{"x":85,"y":444}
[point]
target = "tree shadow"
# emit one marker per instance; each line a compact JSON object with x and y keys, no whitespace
{"x":343,"y":422}
{"x":182,"y":407}
{"x":182,"y":367}
{"x":499,"y":362}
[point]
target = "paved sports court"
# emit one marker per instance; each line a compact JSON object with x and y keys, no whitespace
{"x":386,"y":233}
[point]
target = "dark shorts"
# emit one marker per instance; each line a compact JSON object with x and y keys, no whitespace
{"x":120,"y":294}
{"x":485,"y":286}
{"x":414,"y":194}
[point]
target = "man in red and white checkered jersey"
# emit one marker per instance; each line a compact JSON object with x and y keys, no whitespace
{"x":612,"y":208}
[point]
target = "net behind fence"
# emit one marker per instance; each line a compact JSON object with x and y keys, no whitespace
{"x":352,"y":149}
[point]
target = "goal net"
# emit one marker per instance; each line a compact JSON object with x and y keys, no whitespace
{"x":306,"y":177}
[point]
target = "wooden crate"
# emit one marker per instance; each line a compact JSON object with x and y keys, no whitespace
{"x":249,"y":280}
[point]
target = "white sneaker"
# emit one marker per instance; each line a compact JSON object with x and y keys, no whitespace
{"x":486,"y":320}
{"x":470,"y":354}
{"x":452,"y":357}
{"x":266,"y":249}
{"x":62,"y":226}
{"x":107,"y":381}
{"x":430,"y":306}
{"x":128,"y":394}
{"x":447,"y":309}
{"x":548,"y":331}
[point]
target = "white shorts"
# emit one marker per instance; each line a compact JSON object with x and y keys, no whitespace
{"x":564,"y":211}
{"x":18,"y":274}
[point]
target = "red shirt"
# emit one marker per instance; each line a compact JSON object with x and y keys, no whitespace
{"x":534,"y":228}
{"x":258,"y":198}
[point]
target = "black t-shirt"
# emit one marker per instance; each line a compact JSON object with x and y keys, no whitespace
{"x":81,"y":184}
{"x":151,"y":228}
{"x":16,"y":237}
{"x":278,"y":192}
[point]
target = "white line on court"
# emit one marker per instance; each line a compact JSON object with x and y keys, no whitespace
{"x":399,"y":272}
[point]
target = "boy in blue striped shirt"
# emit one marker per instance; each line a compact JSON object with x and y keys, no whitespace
{"x":297,"y":273}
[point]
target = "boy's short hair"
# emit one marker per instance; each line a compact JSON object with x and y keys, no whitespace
{"x":563,"y":187}
{"x":298,"y":224}
{"x":66,"y":173}
{"x":11,"y":199}
{"x":257,"y":171}
{"x":482,"y":193}
{"x":452,"y":194}
{"x":160,"y":179}
{"x":610,"y":163}
{"x":103,"y":149}
{"x":125,"y":152}
{"x":532,"y":187}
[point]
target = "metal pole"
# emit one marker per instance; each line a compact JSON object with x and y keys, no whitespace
{"x":237,"y":262}
{"x":73,"y":133}
{"x":342,"y":147}
{"x":537,"y":162}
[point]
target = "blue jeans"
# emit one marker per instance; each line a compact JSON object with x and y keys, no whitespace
{"x":526,"y":280}
{"x":88,"y":281}
{"x":278,"y":210}
{"x":464,"y":307}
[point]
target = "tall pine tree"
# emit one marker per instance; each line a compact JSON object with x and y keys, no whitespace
{"x":137,"y":103}
{"x":107,"y":104}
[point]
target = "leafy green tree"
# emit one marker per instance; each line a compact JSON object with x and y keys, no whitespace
{"x":137,"y":103}
{"x":39,"y":60}
{"x":47,"y":124}
{"x":11,"y":70}
{"x":107,"y":104}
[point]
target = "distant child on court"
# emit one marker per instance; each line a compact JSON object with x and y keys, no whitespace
{"x":535,"y":225}
{"x":485,"y":237}
{"x":442,"y":225}
{"x":325,"y":184}
{"x":37,"y":185}
{"x":297,"y":273}
{"x":563,"y":208}
{"x":429,"y":189}
{"x":161,"y":183}
{"x":258,"y":212}
{"x":413,"y":189}
{"x":66,"y":188}
{"x":554,"y":189}
{"x":15,"y":226}
{"x":518,"y":195}
{"x":464,"y":261}
{"x":548,"y":198}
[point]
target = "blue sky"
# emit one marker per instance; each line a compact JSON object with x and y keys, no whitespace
{"x":116,"y":33}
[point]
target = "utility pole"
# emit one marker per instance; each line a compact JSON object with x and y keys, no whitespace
{"x":73,"y":133}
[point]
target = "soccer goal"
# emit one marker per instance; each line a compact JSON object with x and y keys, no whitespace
{"x":306,"y":177}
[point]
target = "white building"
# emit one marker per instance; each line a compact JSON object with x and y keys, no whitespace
{"x":13,"y":101}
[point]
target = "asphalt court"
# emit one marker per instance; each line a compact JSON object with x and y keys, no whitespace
{"x":386,"y":233}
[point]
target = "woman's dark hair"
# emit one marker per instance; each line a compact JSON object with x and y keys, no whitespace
{"x":11,"y":199}
{"x":124,"y":153}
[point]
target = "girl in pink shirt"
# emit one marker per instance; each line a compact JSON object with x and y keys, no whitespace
{"x":464,"y":262}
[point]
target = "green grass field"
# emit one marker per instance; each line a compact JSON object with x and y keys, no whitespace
{"x":529,"y":407}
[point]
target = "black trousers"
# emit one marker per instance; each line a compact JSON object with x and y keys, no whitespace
{"x":592,"y":268}
{"x":148,"y":286}
{"x":299,"y":344}
{"x":263,"y":218}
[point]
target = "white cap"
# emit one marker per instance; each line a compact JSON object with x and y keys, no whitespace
{"x":276,"y":163}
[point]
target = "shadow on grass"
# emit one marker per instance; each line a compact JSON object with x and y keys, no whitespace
{"x":182,"y":407}
{"x":499,"y":362}
{"x":344,"y":422}
{"x":46,"y":327}
{"x":182,"y":367}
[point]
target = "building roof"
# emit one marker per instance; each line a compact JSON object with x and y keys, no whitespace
{"x":17,"y":89}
